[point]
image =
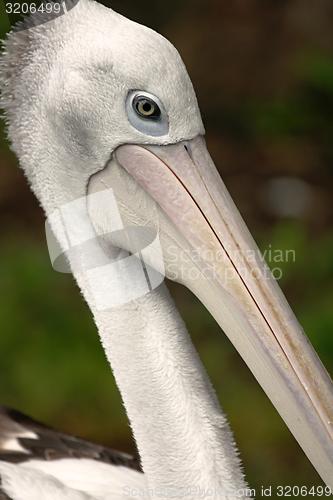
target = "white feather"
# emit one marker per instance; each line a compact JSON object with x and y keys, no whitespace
{"x":65,"y":106}
{"x":81,"y":478}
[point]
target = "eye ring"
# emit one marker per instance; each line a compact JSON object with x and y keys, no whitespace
{"x":146,"y":113}
{"x":146,"y":107}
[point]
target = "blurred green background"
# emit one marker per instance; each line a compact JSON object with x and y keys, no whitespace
{"x":263,"y":71}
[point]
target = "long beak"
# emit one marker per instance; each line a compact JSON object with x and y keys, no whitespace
{"x":237,"y":288}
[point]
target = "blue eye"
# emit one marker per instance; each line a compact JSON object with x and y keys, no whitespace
{"x":146,"y":113}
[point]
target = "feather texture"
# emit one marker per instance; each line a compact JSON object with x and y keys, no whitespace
{"x":65,"y":85}
{"x":23,"y":438}
{"x":42,"y":458}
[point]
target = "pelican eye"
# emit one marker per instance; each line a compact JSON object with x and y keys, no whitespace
{"x":146,"y":113}
{"x":146,"y":107}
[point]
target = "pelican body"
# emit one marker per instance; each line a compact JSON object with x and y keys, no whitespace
{"x":103,"y":118}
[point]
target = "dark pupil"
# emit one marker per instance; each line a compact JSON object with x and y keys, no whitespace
{"x":147,"y":106}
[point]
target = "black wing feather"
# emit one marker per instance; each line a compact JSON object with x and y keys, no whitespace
{"x":51,"y":444}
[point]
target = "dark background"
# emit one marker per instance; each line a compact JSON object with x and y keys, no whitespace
{"x":263,"y":72}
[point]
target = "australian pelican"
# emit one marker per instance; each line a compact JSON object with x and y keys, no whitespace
{"x":101,"y":109}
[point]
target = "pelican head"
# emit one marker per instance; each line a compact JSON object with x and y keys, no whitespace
{"x":110,"y":105}
{"x":86,"y":80}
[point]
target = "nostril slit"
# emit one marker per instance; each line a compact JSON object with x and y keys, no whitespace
{"x":188,"y":150}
